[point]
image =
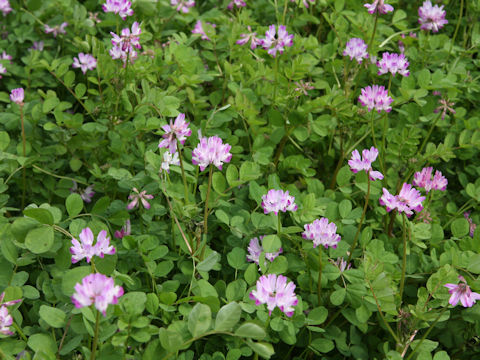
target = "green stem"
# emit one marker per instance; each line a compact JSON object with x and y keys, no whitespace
{"x":426,"y":333}
{"x":279,"y":224}
{"x":24,"y":173}
{"x":373,"y":33}
{"x":276,"y":80}
{"x":367,"y":196}
{"x":373,"y":130}
{"x":320,"y":268}
{"x":19,"y":331}
{"x":285,"y":6}
{"x":429,"y":133}
{"x":184,"y":178}
{"x":95,"y":339}
{"x":126,"y":342}
{"x":385,"y":42}
{"x":404,"y":258}
{"x":58,"y":176}
{"x":459,"y":20}
{"x":205,"y":214}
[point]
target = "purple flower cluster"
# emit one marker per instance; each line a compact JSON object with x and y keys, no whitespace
{"x":393,"y":63}
{"x":249,"y":37}
{"x":356,"y":49}
{"x":59,"y":29}
{"x":408,"y":200}
{"x":255,"y":249}
{"x":169,"y":159}
{"x":358,"y":163}
{"x":375,"y":97}
{"x":182,"y":5}
{"x":462,"y":292}
{"x":123,"y":45}
{"x":86,"y":194}
{"x":237,"y":3}
{"x":17,"y":96}
{"x":275,"y":42}
{"x":84,"y":62}
{"x":379,"y":6}
{"x":124,"y":231}
{"x":96,"y":289}
{"x":472,"y":225}
{"x":138,"y":197}
{"x":275,"y":292}
{"x":424,"y":180}
{"x":85,"y":248}
{"x":431,"y":17}
{"x":198,"y":29}
{"x":278,"y":200}
{"x":5,"y":7}
{"x":6,"y":319}
{"x":120,"y":7}
{"x":322,"y":233}
{"x":176,"y":131}
{"x":211,"y":151}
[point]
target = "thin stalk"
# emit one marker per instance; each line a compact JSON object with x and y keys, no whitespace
{"x":459,"y":20}
{"x":184,"y":178}
{"x":24,"y":172}
{"x":276,"y":11}
{"x":285,"y":6}
{"x":426,"y":333}
{"x":276,"y":80}
{"x":95,"y":339}
{"x":126,"y":341}
{"x":205,"y":214}
{"x":367,"y":196}
{"x":429,"y":133}
{"x":58,"y":176}
{"x":126,"y":71}
{"x":320,"y":268}
{"x":404,"y":259}
{"x":387,"y":40}
{"x":279,"y":224}
{"x":19,"y":331}
{"x":373,"y":130}
{"x":374,"y":31}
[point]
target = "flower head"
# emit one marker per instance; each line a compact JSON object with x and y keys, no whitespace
{"x":249,"y":37}
{"x":176,"y":131}
{"x":211,"y":151}
{"x":375,"y":97}
{"x":120,"y":7}
{"x":462,"y":292}
{"x":255,"y":249}
{"x":445,"y":106}
{"x":3,"y":70}
{"x":125,"y":44}
{"x":379,"y":6}
{"x":84,"y":62}
{"x":278,"y":200}
{"x":358,"y":163}
{"x":303,"y":87}
{"x":86,"y":194}
{"x":277,"y":43}
{"x":85,"y":248}
{"x":124,"y":231}
{"x":5,"y":7}
{"x":169,"y":159}
{"x":341,"y":264}
{"x":17,"y":96}
{"x":182,"y":5}
{"x":6,"y":321}
{"x":58,"y":29}
{"x":139,"y":196}
{"x":96,"y":289}
{"x":356,"y":48}
{"x":393,"y":63}
{"x":424,"y":180}
{"x":431,"y":17}
{"x":93,"y":16}
{"x":406,"y":201}
{"x":275,"y":292}
{"x":198,"y":29}
{"x":322,"y":233}
{"x":472,"y":226}
{"x":37,"y":45}
{"x":237,"y":3}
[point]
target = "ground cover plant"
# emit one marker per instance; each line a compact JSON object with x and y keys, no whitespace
{"x":239,"y":179}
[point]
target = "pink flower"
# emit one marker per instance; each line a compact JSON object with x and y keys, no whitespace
{"x":275,"y":292}
{"x":59,"y":29}
{"x":445,"y":106}
{"x":473,"y":226}
{"x":278,"y":43}
{"x":303,"y":87}
{"x":424,"y":180}
{"x":3,"y":70}
{"x":123,"y":45}
{"x":211,"y":151}
{"x":198,"y":29}
{"x":255,"y":249}
{"x":322,"y":233}
{"x":462,"y":292}
{"x":37,"y":45}
{"x":238,"y":3}
{"x":96,"y":289}
{"x":17,"y":96}
{"x":358,"y":163}
{"x":406,"y":201}
{"x":169,"y":159}
{"x":86,"y":194}
{"x":5,"y":7}
{"x":85,"y":62}
{"x":176,"y":131}
{"x":124,"y":231}
{"x":375,"y":97}
{"x":142,"y":196}
{"x":278,"y":200}
{"x":341,"y":264}
{"x":431,"y":17}
{"x":85,"y":248}
{"x":6,"y":319}
{"x":252,"y":37}
{"x":380,"y":6}
{"x":356,"y":48}
{"x":8,"y":303}
{"x":182,"y":5}
{"x":305,"y":2}
{"x":393,"y":63}
{"x":120,"y":7}
{"x":5,"y":56}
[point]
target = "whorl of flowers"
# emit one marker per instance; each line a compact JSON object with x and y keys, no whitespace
{"x":393,"y":63}
{"x":175,"y":131}
{"x":356,"y":49}
{"x":198,"y":29}
{"x":182,"y":5}
{"x":375,"y":97}
{"x":138,"y":197}
{"x":211,"y":151}
{"x":17,"y":96}
{"x":408,"y":200}
{"x":84,"y":62}
{"x":275,"y":292}
{"x":424,"y":180}
{"x":322,"y":233}
{"x":379,"y":6}
{"x":364,"y":162}
{"x":85,"y":248}
{"x":59,"y":29}
{"x":5,"y":7}
{"x":6,"y":319}
{"x":431,"y":17}
{"x":249,"y":37}
{"x":124,"y":45}
{"x":462,"y":292}
{"x":120,"y":7}
{"x":278,"y":200}
{"x":274,"y":42}
{"x":237,"y":3}
{"x":255,"y":249}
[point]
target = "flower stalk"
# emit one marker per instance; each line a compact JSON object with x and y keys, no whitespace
{"x":355,"y":240}
{"x":95,"y":338}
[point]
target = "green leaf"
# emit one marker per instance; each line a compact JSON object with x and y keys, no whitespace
{"x":317,"y":316}
{"x":228,"y":316}
{"x":251,"y":274}
{"x":49,"y":104}
{"x":344,"y":208}
{"x":344,"y":176}
{"x":209,"y":262}
{"x":133,"y":303}
{"x":74,"y":204}
{"x":249,"y":171}
{"x":251,"y":330}
{"x":237,"y":258}
{"x":38,"y":342}
{"x":265,"y":350}
{"x":43,"y":216}
{"x":219,"y":183}
{"x":271,"y":243}
{"x":338,"y":296}
{"x":474,"y":264}
{"x":322,"y":345}
{"x":52,"y":316}
{"x":39,"y":240}
{"x":4,"y":140}
{"x":80,"y":90}
{"x":199,"y":319}
{"x":236,"y":290}
{"x":460,"y":227}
